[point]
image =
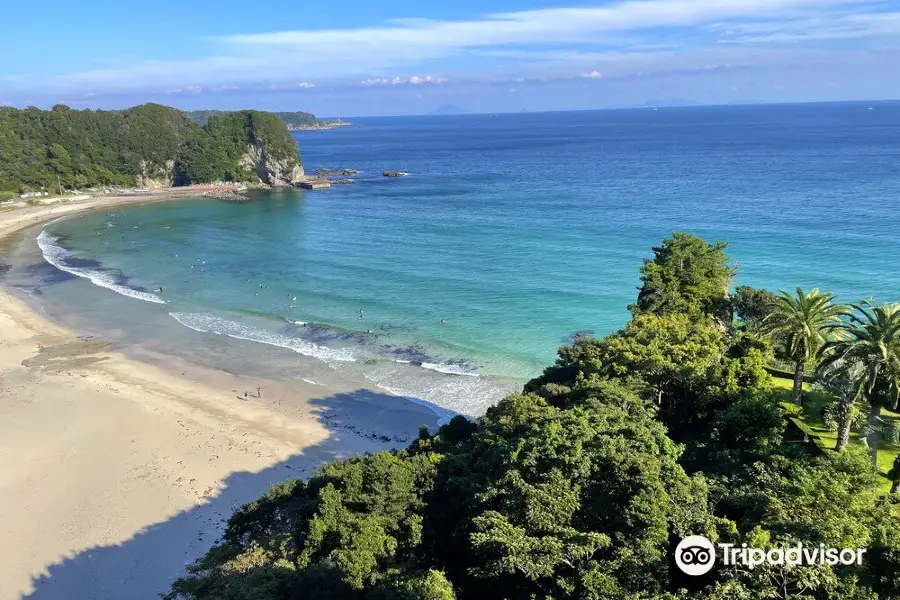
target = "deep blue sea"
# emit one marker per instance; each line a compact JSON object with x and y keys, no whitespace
{"x":510,"y":233}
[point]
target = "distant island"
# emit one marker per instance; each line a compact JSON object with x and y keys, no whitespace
{"x":148,"y":146}
{"x":449,"y":109}
{"x":319,"y":125}
{"x":294,"y":121}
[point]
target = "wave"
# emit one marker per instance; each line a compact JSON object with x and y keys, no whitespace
{"x":449,"y":369}
{"x":446,"y":369}
{"x":208,"y":323}
{"x":56,"y":255}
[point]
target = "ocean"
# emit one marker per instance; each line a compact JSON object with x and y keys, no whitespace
{"x":511,"y":233}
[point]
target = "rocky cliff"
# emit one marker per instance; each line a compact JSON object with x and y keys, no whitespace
{"x":249,"y":146}
{"x":278,"y":170}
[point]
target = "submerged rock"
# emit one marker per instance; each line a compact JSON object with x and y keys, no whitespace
{"x":226,"y":195}
{"x":326,"y":172}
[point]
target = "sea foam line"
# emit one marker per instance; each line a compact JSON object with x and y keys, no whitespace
{"x":56,"y":255}
{"x":208,"y":323}
{"x":447,"y":369}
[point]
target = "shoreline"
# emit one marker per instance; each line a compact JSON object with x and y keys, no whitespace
{"x":105,"y":455}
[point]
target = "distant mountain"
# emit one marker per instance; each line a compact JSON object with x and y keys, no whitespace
{"x":449,"y":109}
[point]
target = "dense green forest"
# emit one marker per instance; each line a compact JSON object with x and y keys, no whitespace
{"x":291,"y":119}
{"x":580,"y":486}
{"x":76,"y":149}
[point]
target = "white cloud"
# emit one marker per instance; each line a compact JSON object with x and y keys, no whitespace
{"x":793,"y":31}
{"x":414,"y":80}
{"x":553,"y":25}
{"x":302,"y":85}
{"x":591,"y":75}
{"x":365,"y":54}
{"x":190,"y":89}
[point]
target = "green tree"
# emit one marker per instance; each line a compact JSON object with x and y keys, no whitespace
{"x":842,"y":379}
{"x":803,"y":319}
{"x":568,"y":503}
{"x":61,"y":163}
{"x":662,"y":349}
{"x":686,"y":275}
{"x":868,"y":350}
{"x":752,"y":305}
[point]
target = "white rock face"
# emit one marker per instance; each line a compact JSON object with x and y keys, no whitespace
{"x":283,"y":172}
{"x":156,"y":176}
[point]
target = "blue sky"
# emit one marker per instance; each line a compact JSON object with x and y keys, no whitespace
{"x":404,"y":57}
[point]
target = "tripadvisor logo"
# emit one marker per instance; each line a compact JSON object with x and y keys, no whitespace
{"x":696,"y":555}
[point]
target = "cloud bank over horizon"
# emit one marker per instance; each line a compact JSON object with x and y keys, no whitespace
{"x":609,"y":54}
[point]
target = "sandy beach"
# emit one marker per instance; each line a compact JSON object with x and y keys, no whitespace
{"x":115,"y":473}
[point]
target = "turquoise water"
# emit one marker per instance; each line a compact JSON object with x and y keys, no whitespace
{"x":516,"y":231}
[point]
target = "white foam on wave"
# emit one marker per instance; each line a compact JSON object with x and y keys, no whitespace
{"x":448,"y":369}
{"x":56,"y":255}
{"x":439,"y":367}
{"x":208,"y":323}
{"x":446,"y":395}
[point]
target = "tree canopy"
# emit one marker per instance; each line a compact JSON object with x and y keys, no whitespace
{"x":686,"y":275}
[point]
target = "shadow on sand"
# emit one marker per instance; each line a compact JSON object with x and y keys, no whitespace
{"x":145,"y":565}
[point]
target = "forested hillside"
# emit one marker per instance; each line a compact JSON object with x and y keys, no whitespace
{"x":291,"y":119}
{"x":86,"y":147}
{"x":144,"y":145}
{"x":219,"y":151}
{"x":581,"y":486}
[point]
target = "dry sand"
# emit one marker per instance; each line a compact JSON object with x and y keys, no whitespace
{"x":115,"y":473}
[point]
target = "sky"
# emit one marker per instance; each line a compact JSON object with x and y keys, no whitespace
{"x":393,"y":57}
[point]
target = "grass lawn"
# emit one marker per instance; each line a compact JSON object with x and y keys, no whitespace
{"x":811,"y":423}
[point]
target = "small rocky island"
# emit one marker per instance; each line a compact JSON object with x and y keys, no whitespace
{"x":395,"y":173}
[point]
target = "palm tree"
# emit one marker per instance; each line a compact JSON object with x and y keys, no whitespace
{"x":842,"y":379}
{"x":869,"y":348}
{"x":803,"y":319}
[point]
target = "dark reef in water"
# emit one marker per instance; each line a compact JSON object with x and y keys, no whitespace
{"x":46,"y":274}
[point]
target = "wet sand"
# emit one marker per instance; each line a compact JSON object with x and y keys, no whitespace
{"x":115,"y":472}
